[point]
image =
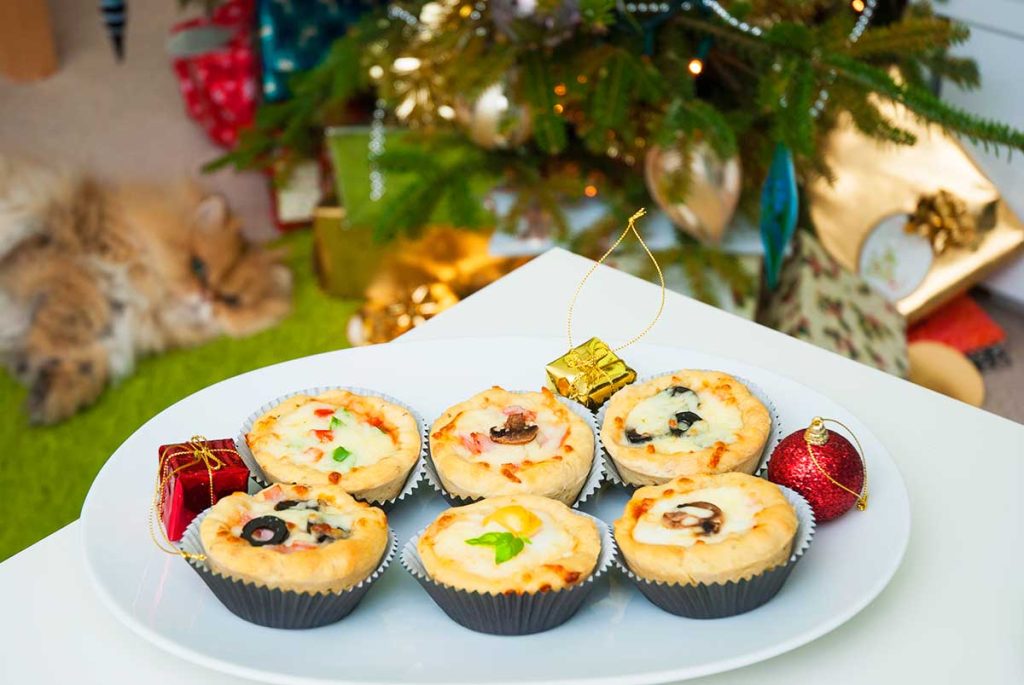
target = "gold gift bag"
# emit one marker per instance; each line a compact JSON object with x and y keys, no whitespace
{"x":920,"y":223}
{"x":591,"y":373}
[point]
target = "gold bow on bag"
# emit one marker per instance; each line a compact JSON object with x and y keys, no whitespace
{"x":943,"y":220}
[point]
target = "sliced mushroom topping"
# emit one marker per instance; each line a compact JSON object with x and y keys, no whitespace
{"x":312,"y":505}
{"x":516,"y":431}
{"x":325,"y":532}
{"x":703,"y":515}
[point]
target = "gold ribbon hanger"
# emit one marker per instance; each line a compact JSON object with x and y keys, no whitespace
{"x":591,"y":372}
{"x":630,"y":228}
{"x":817,"y":435}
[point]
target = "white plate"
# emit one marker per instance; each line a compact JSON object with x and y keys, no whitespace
{"x":398,"y":635}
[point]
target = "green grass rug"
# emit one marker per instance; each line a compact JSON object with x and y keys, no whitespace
{"x":45,"y":472}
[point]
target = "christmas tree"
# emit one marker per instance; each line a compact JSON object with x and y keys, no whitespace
{"x":566,"y":99}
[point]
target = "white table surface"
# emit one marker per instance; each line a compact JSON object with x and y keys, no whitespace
{"x":954,"y":613}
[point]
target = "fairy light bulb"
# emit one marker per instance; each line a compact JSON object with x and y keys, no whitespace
{"x":590,"y":191}
{"x":696,"y":66}
{"x":858,"y":6}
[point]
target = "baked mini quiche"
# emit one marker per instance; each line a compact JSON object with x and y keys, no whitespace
{"x":362,"y":443}
{"x":503,"y":443}
{"x":314,"y":538}
{"x":683,"y":424}
{"x":706,"y":529}
{"x":517,"y":544}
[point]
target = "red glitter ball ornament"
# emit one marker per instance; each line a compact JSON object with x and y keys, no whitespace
{"x":822,"y":466}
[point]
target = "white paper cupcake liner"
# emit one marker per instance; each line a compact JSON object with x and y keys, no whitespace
{"x":775,"y":433}
{"x":276,"y":608}
{"x":511,"y":614}
{"x":591,"y":484}
{"x":718,"y":600}
{"x":411,"y":481}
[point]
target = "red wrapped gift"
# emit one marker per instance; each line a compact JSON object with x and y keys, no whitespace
{"x":193,"y":476}
{"x":216,"y":66}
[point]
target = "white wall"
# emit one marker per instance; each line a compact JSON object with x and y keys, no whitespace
{"x":997,"y":44}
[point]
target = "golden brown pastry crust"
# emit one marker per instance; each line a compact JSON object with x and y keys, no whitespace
{"x":566,"y":556}
{"x":560,"y":475}
{"x":644,"y":465}
{"x":766,"y":544}
{"x":375,"y":482}
{"x":330,"y":567}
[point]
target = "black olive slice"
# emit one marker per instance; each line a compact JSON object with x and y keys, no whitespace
{"x":297,"y":504}
{"x":265,"y":530}
{"x":637,"y":438}
{"x":515,"y":431}
{"x":684,"y":420}
{"x":679,"y":390}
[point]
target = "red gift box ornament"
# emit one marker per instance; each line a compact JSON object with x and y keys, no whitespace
{"x":192,"y":477}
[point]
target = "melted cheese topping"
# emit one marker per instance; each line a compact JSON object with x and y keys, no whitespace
{"x":547,"y":546}
{"x":297,"y":520}
{"x":719,"y":421}
{"x":738,"y":511}
{"x":473,"y":428}
{"x":305,"y":437}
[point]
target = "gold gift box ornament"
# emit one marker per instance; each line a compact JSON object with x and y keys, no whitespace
{"x":592,"y":372}
{"x":589,"y":373}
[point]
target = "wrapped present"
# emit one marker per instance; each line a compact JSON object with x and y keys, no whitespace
{"x":589,"y":373}
{"x":194,"y":476}
{"x":820,"y":302}
{"x":346,"y":255}
{"x":296,"y":192}
{"x":965,"y":326}
{"x":296,"y":36}
{"x":416,"y":279}
{"x":921,"y":223}
{"x":216,"y":65}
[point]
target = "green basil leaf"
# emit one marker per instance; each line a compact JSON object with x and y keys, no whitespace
{"x":508,"y":549}
{"x":335,"y":422}
{"x":487,"y":539}
{"x":506,"y":545}
{"x":341,"y":454}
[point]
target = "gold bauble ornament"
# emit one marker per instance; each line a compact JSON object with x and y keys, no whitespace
{"x":493,"y":120}
{"x":697,"y":189}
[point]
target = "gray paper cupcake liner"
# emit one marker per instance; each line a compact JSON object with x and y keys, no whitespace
{"x":510,"y":614}
{"x":719,"y":600}
{"x":411,"y":481}
{"x":276,"y":608}
{"x":775,"y":434}
{"x":591,"y":484}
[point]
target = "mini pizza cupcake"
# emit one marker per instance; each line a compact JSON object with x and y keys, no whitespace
{"x":291,"y":556}
{"x":508,"y":443}
{"x":510,"y":565}
{"x":365,"y":444}
{"x":712,"y":545}
{"x":684,"y":424}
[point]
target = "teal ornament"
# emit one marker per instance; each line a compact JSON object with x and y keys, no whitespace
{"x":295,"y":36}
{"x":779,"y":205}
{"x":115,"y":17}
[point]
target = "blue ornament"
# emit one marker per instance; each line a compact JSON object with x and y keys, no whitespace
{"x":115,"y":16}
{"x":295,"y":35}
{"x":779,"y":205}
